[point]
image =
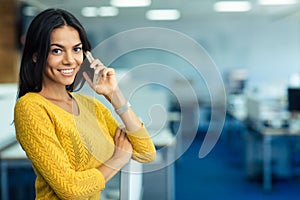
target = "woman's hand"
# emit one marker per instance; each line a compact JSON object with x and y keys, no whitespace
{"x":121,"y":156}
{"x":123,"y":148}
{"x":105,"y":81}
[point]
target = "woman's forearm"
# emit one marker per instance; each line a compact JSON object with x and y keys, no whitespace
{"x":129,"y":118}
{"x":121,"y":156}
{"x":111,"y":168}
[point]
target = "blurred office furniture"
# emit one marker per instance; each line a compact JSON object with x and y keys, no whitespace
{"x":152,"y":105}
{"x":8,"y":41}
{"x":236,"y":81}
{"x":263,"y":134}
{"x":293,"y":96}
{"x":293,"y":106}
{"x":269,"y":140}
{"x":268,"y":150}
{"x":236,"y":113}
{"x":236,"y":106}
{"x":159,"y":176}
{"x":126,"y":184}
{"x":271,"y":111}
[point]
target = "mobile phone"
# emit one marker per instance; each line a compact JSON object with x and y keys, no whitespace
{"x":91,"y":59}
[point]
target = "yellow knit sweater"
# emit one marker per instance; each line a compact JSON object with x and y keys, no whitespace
{"x":63,"y":154}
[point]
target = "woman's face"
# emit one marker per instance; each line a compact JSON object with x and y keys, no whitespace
{"x":64,"y":58}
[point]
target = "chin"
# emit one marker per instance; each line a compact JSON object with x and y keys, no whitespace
{"x":69,"y":82}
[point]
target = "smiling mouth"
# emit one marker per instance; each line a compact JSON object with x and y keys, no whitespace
{"x":66,"y":71}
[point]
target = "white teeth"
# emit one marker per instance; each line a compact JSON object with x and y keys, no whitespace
{"x":67,"y":71}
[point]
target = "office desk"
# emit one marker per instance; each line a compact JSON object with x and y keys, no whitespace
{"x":268,"y":135}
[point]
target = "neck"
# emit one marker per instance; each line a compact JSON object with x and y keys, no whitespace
{"x":55,"y":94}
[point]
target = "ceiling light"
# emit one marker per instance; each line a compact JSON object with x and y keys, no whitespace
{"x":130,"y":3}
{"x":277,"y":2}
{"x":108,"y":11}
{"x":232,"y":6}
{"x":89,"y":11}
{"x":166,"y":14}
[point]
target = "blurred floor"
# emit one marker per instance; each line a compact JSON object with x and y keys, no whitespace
{"x":217,"y":177}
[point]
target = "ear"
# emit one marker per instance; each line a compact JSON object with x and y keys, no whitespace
{"x":34,"y":57}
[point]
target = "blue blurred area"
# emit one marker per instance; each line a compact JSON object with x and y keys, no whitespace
{"x":20,"y":183}
{"x":222,"y":175}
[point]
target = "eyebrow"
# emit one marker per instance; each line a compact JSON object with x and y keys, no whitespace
{"x":61,"y":46}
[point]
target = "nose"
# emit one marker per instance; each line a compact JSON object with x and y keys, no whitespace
{"x":68,"y":58}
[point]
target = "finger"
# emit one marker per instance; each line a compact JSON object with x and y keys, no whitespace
{"x":123,"y":131}
{"x":97,"y":63}
{"x":122,"y":128}
{"x":94,"y":62}
{"x":98,"y":67}
{"x":95,"y":78}
{"x":89,"y":56}
{"x":107,"y":72}
{"x":110,"y":72}
{"x":122,"y":134}
{"x":118,"y":133}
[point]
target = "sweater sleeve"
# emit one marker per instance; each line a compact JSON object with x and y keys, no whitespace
{"x":36,"y":134}
{"x":143,"y":147}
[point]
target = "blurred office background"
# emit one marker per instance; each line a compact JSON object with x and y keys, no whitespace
{"x":251,"y":47}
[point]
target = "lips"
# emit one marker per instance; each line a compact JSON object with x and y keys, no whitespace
{"x":66,"y":71}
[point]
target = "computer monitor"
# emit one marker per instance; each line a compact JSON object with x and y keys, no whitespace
{"x":294,"y":99}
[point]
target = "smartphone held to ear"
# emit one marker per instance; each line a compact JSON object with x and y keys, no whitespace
{"x":96,"y":72}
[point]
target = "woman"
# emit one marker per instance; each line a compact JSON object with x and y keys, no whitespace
{"x":74,"y":143}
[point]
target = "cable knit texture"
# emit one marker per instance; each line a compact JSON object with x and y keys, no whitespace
{"x":64,"y":153}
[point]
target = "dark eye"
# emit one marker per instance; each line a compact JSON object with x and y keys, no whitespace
{"x":56,"y":51}
{"x":77,"y":49}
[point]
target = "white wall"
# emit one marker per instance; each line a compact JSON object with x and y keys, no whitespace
{"x":260,"y":44}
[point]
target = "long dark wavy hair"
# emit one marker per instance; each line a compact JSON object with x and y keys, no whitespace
{"x":37,"y":44}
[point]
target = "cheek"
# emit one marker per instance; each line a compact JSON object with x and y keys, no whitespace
{"x":53,"y":61}
{"x":79,"y":62}
{"x":79,"y":59}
